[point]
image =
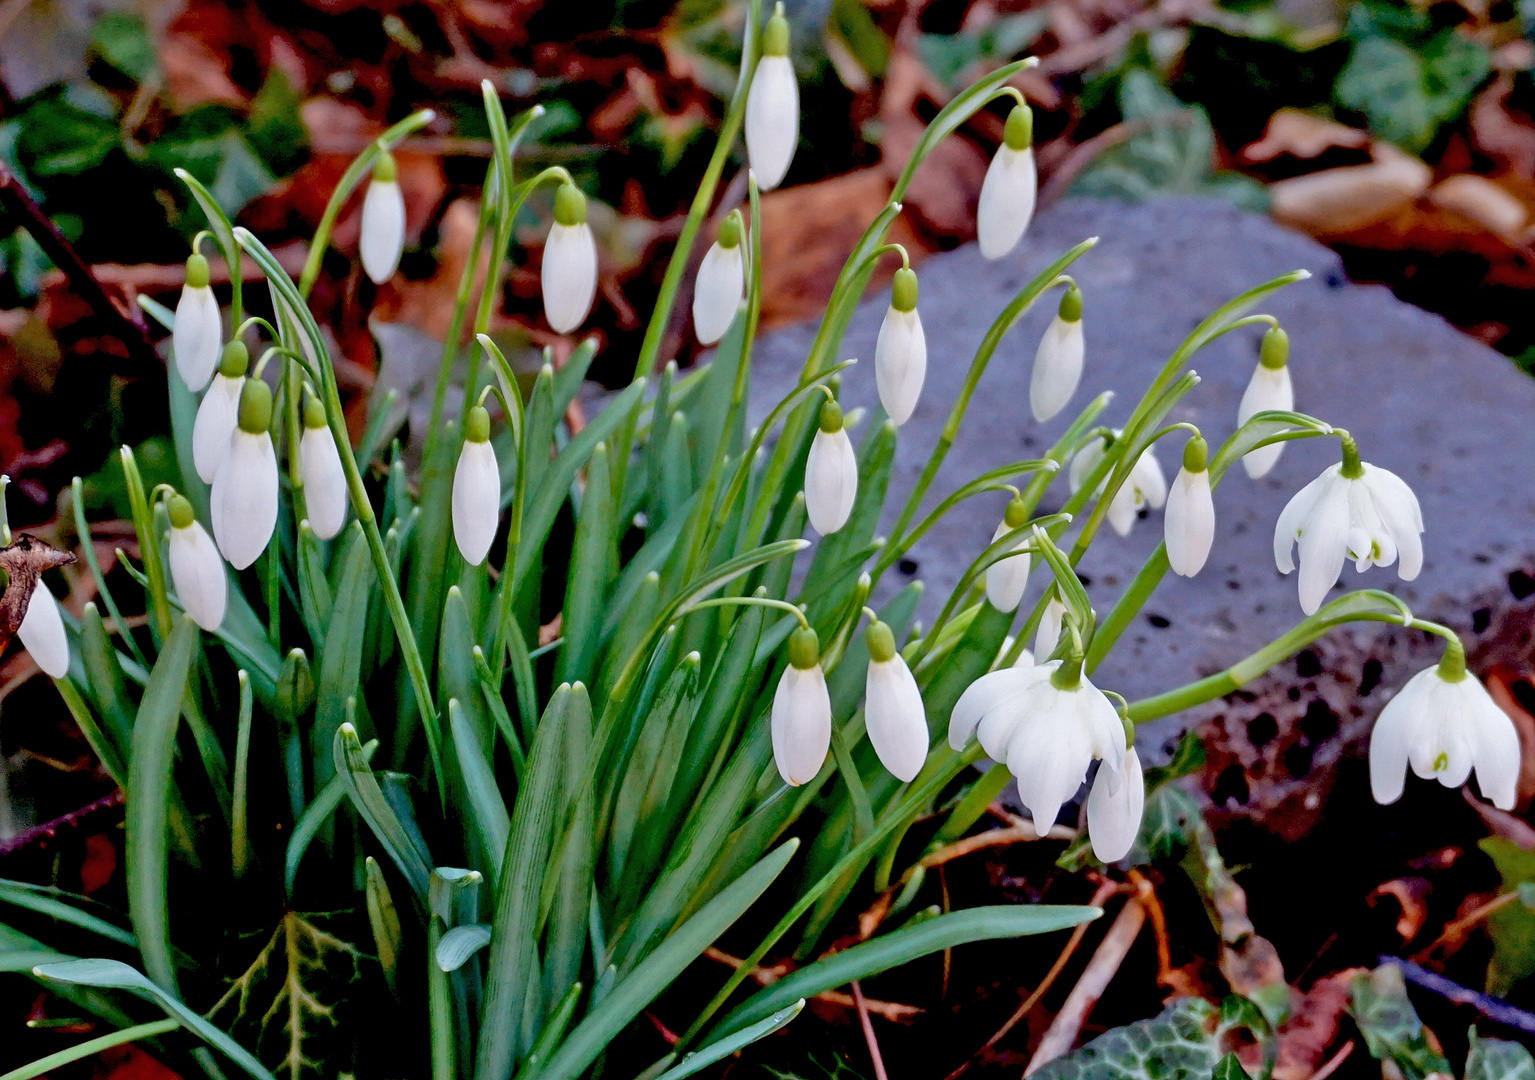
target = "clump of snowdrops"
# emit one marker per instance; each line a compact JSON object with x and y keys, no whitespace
{"x":351,"y":697}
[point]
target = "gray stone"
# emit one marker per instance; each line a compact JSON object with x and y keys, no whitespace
{"x":1449,"y":415}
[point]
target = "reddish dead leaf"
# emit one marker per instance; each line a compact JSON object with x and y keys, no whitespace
{"x":99,"y":864}
{"x":1500,"y":132}
{"x":1339,"y":201}
{"x":1312,"y":1026}
{"x":1511,"y":688}
{"x":1411,"y":895}
{"x":131,"y":1063}
{"x":1302,"y":135}
{"x":1483,"y":201}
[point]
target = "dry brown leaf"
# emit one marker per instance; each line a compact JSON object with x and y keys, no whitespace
{"x":1481,"y":200}
{"x":1302,"y":135}
{"x":196,"y":74}
{"x":1312,"y":1027}
{"x":1500,"y":133}
{"x":1501,"y":683}
{"x":1340,"y":200}
{"x":1411,"y":895}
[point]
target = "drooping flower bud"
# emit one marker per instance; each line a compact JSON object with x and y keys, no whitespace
{"x":42,"y":632}
{"x":1189,"y":525}
{"x":893,"y":712}
{"x":721,"y":283}
{"x":197,"y":571}
{"x":831,"y":473}
{"x":772,"y":107}
{"x":325,"y":490}
{"x":476,"y":490}
{"x":383,"y":222}
{"x":569,"y":274}
{"x":218,"y":412}
{"x":801,"y":717}
{"x":1006,"y":578}
{"x":199,"y":326}
{"x":1058,"y":361}
{"x":900,"y":353}
{"x":1268,"y":390}
{"x":244,"y":497}
{"x":1010,"y":188}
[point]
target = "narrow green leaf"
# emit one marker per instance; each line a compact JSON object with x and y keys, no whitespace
{"x":490,"y":821}
{"x":104,"y":677}
{"x":568,"y":379}
{"x":593,"y":566}
{"x":313,"y":817}
{"x":723,"y":1048}
{"x":368,"y":797}
{"x":91,"y":1047}
{"x":60,"y":905}
{"x":341,"y":653}
{"x":648,"y":777}
{"x":384,"y":919}
{"x":565,"y":941}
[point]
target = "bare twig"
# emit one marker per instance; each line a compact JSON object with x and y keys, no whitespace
{"x":1454,"y":931}
{"x":868,"y":1033}
{"x":1333,"y":1062}
{"x":894,"y":1011}
{"x":49,"y":829}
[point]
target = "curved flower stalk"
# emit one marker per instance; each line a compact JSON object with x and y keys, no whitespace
{"x":801,"y":717}
{"x":199,"y":326}
{"x":1058,"y":360}
{"x":1144,"y":488}
{"x":893,"y":710}
{"x":1268,"y":390}
{"x":831,"y":473}
{"x":197,"y":570}
{"x":1444,"y":723}
{"x":219,"y":412}
{"x":569,"y":277}
{"x":1354,"y":510}
{"x":383,"y":222}
{"x":42,"y":632}
{"x":721,"y":284}
{"x":1011,"y":186}
{"x":1189,"y":524}
{"x":244,"y":495}
{"x":900,"y":353}
{"x":476,"y":490}
{"x":772,"y":107}
{"x":326,"y":498}
{"x":1007,"y":578}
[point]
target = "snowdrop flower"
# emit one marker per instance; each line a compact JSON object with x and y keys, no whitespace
{"x":721,"y":283}
{"x":219,"y":412}
{"x":831,"y":473}
{"x":570,"y":262}
{"x":383,"y":222}
{"x":801,"y":718}
{"x":1049,"y":633}
{"x":893,"y":710}
{"x":199,"y":326}
{"x":1144,"y":487}
{"x":325,"y":490}
{"x":1114,"y":807}
{"x":1047,"y":723}
{"x":1006,"y":578}
{"x":1444,"y":723}
{"x":476,"y":490}
{"x":245,"y":485}
{"x":1058,"y":361}
{"x":1268,"y":390}
{"x":42,"y":632}
{"x":1008,"y":192}
{"x":1189,"y":525}
{"x":900,"y":354}
{"x":772,"y":107}
{"x":1353,"y":510}
{"x":196,"y":568}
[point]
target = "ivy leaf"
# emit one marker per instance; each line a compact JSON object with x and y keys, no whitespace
{"x":1498,"y":1059}
{"x":1392,"y":1031}
{"x":1406,"y":93}
{"x":1230,"y":1069}
{"x":122,"y":40}
{"x":1178,"y":1044}
{"x":1512,"y":927}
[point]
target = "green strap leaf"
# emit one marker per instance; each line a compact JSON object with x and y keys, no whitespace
{"x":723,"y":1048}
{"x":92,"y":1046}
{"x":368,"y":797}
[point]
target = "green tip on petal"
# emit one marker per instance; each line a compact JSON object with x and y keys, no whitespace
{"x":775,"y":39}
{"x":804,"y":648}
{"x":255,"y":406}
{"x":235,"y":360}
{"x":731,"y":230}
{"x":1071,"y":305}
{"x":569,"y":205}
{"x":314,"y":412}
{"x":197,"y":271}
{"x":881,"y":641}
{"x":1019,"y":133}
{"x":180,"y":511}
{"x":1015,"y":514}
{"x":384,"y":168}
{"x":831,"y":418}
{"x":1196,"y":454}
{"x":903,"y":290}
{"x":1275,"y":351}
{"x":477,"y":424}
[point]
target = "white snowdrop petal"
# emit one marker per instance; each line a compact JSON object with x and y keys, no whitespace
{"x":198,"y":336}
{"x":1049,"y":633}
{"x":325,"y":492}
{"x":1148,"y":480}
{"x":1495,"y":746}
{"x":983,"y":696}
{"x":1007,"y":578}
{"x":42,"y":632}
{"x":1323,"y":544}
{"x":831,"y":481}
{"x":569,"y":275}
{"x":1114,"y":808}
{"x":900,"y":363}
{"x":1048,"y":754}
{"x":772,"y":120}
{"x":1389,"y":749}
{"x":476,"y":500}
{"x":1057,"y":368}
{"x":1123,"y":509}
{"x":1084,"y":461}
{"x":244,"y":498}
{"x":1399,"y":512}
{"x":801,"y":724}
{"x":198,"y":573}
{"x":718,"y":292}
{"x":1189,"y":526}
{"x":383,"y":230}
{"x":897,"y":722}
{"x":217,"y":416}
{"x":1007,"y":201}
{"x":1293,"y":516}
{"x":1269,"y":389}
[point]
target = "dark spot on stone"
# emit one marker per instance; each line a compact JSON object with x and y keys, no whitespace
{"x":1087,"y":582}
{"x":1297,"y":760}
{"x":1111,"y":580}
{"x":1294,"y":693}
{"x":1161,"y":622}
{"x":1480,"y":558}
{"x":1232,"y":784}
{"x":1521,"y":585}
{"x":1261,"y":729}
{"x":1334,"y":279}
{"x":1240,"y":528}
{"x":907,"y":566}
{"x":1308,"y":664}
{"x":1480,"y":618}
{"x":1234,"y":586}
{"x":1369,"y":678}
{"x":1320,"y":722}
{"x":1028,"y":440}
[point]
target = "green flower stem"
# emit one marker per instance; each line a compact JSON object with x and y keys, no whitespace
{"x":60,"y":1058}
{"x":88,"y":547}
{"x":450,"y":344}
{"x":754,"y":601}
{"x":149,"y":543}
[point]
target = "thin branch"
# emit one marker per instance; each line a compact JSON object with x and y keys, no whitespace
{"x":894,"y":1011}
{"x":868,"y":1033}
{"x":48,"y":830}
{"x":1111,"y":952}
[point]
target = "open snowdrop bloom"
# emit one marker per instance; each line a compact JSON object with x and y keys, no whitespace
{"x":199,"y":327}
{"x":831,"y":473}
{"x":1006,"y":578}
{"x":801,"y":718}
{"x":1048,"y":723}
{"x":1049,"y":633}
{"x":219,"y":411}
{"x":1115,"y":804}
{"x":1189,"y":525}
{"x":1009,"y":190}
{"x":1444,"y":723}
{"x":893,"y":711}
{"x":1354,"y":510}
{"x":1144,"y":487}
{"x":1058,"y":361}
{"x":900,"y":353}
{"x":196,"y":568}
{"x":42,"y":632}
{"x":1268,"y":390}
{"x":244,"y":494}
{"x":721,"y":283}
{"x":476,"y":490}
{"x":772,"y":107}
{"x":325,"y":491}
{"x":383,"y":222}
{"x":569,"y":275}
